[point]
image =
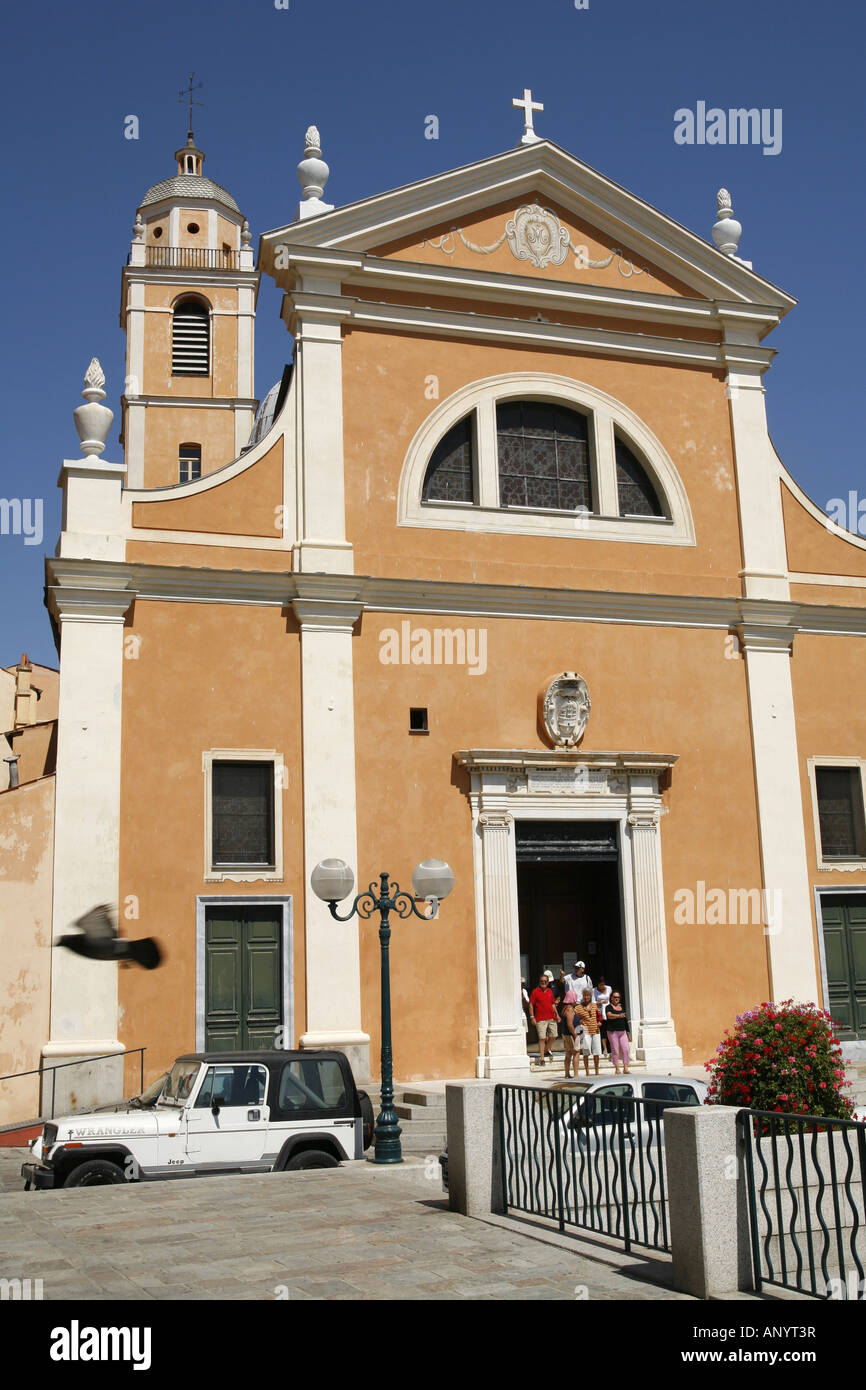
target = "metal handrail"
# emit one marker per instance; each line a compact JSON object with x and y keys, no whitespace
{"x":79,"y":1062}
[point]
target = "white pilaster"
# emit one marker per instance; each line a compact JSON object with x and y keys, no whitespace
{"x":656,"y":1035}
{"x":790,"y":934}
{"x":87,"y":815}
{"x":92,"y":526}
{"x":505,"y":1043}
{"x":761,"y":527}
{"x":322,"y":546}
{"x":330,"y":826}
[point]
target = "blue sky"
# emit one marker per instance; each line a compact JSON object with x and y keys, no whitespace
{"x":611,"y":78}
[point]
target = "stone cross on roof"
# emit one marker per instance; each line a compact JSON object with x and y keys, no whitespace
{"x":528,"y":106}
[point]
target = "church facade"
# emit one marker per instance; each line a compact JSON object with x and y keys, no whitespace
{"x":506,"y":572}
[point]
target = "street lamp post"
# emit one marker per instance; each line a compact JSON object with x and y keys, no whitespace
{"x":332,"y":880}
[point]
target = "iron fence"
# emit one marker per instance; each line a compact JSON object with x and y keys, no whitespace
{"x":593,"y":1161}
{"x":806,"y":1178}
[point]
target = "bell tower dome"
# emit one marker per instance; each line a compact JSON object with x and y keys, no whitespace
{"x":188,"y":310}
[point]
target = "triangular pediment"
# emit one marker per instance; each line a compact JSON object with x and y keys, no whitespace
{"x":632,"y":244}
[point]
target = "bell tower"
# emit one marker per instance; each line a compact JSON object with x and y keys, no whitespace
{"x":188,"y":310}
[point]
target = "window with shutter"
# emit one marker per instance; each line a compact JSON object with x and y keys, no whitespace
{"x":190,"y":339}
{"x":243,"y":815}
{"x":189,"y":463}
{"x":543,"y":457}
{"x":637,"y":496}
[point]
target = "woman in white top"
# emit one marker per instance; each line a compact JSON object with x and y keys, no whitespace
{"x":601,"y":997}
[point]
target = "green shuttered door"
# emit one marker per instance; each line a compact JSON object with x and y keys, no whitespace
{"x":844,"y":920}
{"x":243,"y":978}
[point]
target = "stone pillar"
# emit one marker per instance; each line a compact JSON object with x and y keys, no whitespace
{"x":330,"y":828}
{"x":475,"y":1167}
{"x":655,"y":1034}
{"x":709,"y":1215}
{"x":765,"y":566}
{"x":86,"y":839}
{"x":788,"y":923}
{"x":505,"y":1045}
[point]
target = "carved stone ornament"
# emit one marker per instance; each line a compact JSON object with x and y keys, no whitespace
{"x":535,"y":234}
{"x":565,"y":709}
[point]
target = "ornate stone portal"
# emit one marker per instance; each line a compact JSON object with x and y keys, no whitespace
{"x":622,"y":788}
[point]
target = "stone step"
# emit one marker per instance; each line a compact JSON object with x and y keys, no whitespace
{"x":433,"y":1099}
{"x":419,"y":1144}
{"x":421,"y":1112}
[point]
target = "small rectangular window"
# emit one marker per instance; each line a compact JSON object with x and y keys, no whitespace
{"x":189,"y":463}
{"x":418,"y":721}
{"x":243,"y":815}
{"x":840,"y":812}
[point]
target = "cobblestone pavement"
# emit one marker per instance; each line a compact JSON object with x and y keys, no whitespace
{"x":356,"y":1232}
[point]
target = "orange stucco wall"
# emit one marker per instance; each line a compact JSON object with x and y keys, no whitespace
{"x":384,"y":404}
{"x":829,"y":680}
{"x":245,"y":505}
{"x":814,"y":549}
{"x":206,"y":676}
{"x":668,"y":691}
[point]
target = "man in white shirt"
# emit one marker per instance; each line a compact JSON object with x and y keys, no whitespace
{"x":578,"y":980}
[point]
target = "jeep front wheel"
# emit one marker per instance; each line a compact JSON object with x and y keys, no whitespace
{"x":97,"y":1172}
{"x":312,"y":1158}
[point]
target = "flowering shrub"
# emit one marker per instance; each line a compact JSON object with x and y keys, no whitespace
{"x":784,"y":1057}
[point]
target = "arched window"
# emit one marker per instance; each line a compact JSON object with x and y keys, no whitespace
{"x":637,"y":496}
{"x":543,"y":454}
{"x":450,"y":476}
{"x":189,"y":463}
{"x":190,"y":339}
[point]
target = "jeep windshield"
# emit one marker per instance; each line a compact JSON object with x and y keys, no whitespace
{"x":181,"y":1080}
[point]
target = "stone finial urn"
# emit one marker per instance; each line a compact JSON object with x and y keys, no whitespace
{"x":93,"y":421}
{"x":726,"y":229}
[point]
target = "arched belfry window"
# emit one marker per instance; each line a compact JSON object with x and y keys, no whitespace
{"x":543,"y":452}
{"x":450,"y":476}
{"x":190,"y":339}
{"x":636,"y":494}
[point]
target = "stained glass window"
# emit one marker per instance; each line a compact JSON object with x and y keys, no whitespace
{"x":637,"y":496}
{"x":840,"y":812}
{"x":543,"y":456}
{"x":450,"y":474}
{"x":243,"y":814}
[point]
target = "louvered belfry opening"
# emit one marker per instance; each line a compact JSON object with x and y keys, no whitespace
{"x":190,"y":339}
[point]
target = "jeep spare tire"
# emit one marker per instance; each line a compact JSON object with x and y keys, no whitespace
{"x":96,"y":1172}
{"x":312,"y":1158}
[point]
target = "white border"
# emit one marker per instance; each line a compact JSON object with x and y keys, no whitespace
{"x":856,"y":864}
{"x":243,"y":755}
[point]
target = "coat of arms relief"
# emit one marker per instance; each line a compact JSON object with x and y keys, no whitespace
{"x":535,"y":234}
{"x":565,"y":709}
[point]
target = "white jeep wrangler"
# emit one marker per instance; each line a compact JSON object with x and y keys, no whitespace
{"x":217,"y":1112}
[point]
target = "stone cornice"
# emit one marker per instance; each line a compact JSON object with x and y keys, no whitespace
{"x":188,"y":584}
{"x":511,"y":760}
{"x":450,"y":281}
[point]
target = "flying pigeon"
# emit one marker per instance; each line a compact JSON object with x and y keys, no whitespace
{"x":98,"y":940}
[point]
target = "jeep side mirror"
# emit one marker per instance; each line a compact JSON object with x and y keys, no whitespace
{"x":215,"y":1109}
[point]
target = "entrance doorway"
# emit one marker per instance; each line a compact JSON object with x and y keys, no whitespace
{"x":568,"y":891}
{"x":843,"y":918}
{"x":243,"y":977}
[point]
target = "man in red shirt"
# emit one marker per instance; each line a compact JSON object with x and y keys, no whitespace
{"x":543,"y":1013}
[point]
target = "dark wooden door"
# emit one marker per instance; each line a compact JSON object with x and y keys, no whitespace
{"x":844,"y":923}
{"x":243,"y":978}
{"x":571,"y":908}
